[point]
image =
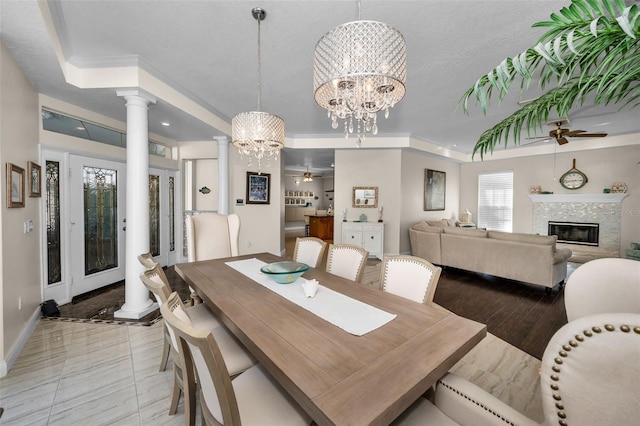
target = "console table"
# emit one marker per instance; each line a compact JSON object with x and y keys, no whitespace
{"x":368,"y":235}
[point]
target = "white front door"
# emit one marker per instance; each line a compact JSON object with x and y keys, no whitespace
{"x":84,"y":223}
{"x":97,"y":223}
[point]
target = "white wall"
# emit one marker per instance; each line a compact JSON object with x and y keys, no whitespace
{"x":602,"y":167}
{"x":205,"y":173}
{"x":369,"y":167}
{"x":19,"y":254}
{"x":412,"y":201}
{"x":261,"y":226}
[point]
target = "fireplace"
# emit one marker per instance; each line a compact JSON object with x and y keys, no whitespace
{"x":575,"y":232}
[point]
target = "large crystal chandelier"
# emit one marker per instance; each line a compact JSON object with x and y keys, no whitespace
{"x":359,"y":68}
{"x":258,"y":134}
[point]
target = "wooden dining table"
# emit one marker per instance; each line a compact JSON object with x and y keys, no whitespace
{"x":337,"y":377}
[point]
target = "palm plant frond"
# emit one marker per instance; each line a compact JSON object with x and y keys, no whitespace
{"x":589,"y":49}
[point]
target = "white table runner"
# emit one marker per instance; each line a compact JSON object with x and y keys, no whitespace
{"x":351,"y":315}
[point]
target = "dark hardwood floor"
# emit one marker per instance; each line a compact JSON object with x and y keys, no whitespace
{"x":523,"y":315}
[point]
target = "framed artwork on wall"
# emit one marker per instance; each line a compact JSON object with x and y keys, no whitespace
{"x":435,"y":186}
{"x":35,"y":179}
{"x":258,"y":191}
{"x":15,"y":186}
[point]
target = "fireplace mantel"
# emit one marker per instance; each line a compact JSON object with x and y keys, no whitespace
{"x":577,"y":198}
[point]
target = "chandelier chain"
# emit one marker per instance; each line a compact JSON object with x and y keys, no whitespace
{"x":259,"y":18}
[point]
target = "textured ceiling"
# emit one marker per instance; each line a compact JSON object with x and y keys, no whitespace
{"x":207,"y":50}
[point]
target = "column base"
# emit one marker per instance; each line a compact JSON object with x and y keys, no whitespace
{"x":126,"y":314}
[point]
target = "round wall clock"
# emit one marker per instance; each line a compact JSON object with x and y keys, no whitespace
{"x":574,"y":178}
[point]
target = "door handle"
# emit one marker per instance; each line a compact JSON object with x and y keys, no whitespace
{"x":124,"y":228}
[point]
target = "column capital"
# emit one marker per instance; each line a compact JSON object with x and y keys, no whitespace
{"x":222,"y":139}
{"x":136,"y":91}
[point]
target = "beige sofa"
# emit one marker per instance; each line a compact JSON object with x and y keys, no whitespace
{"x":528,"y":258}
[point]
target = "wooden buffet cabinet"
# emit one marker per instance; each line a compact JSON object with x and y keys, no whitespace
{"x":321,"y":227}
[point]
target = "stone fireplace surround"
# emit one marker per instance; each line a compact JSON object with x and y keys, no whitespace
{"x":603,"y":209}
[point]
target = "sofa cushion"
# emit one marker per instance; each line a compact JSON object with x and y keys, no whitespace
{"x":442,"y":223}
{"x":466,"y":232}
{"x":425,"y":227}
{"x":543,"y":240}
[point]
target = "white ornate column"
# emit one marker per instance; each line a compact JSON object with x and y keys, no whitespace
{"x":137,"y":303}
{"x":223,"y":174}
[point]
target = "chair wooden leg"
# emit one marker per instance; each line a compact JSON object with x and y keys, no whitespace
{"x":165,"y":350}
{"x":175,"y":394}
{"x":189,"y":389}
{"x":195,"y":299}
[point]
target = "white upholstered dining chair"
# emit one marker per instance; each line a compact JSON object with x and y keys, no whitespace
{"x":212,"y":236}
{"x":309,"y":250}
{"x":410,"y":277}
{"x":236,"y":356}
{"x":346,"y":261}
{"x":251,"y":398}
{"x":603,"y":286}
{"x":590,"y":375}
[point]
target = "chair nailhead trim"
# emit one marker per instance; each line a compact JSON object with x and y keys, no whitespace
{"x":479,"y":404}
{"x":564,"y":353}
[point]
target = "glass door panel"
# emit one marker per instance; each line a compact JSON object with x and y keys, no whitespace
{"x":52,"y":221}
{"x":154,"y":215}
{"x":97,"y":223}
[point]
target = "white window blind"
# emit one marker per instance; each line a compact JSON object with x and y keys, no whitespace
{"x":495,"y":201}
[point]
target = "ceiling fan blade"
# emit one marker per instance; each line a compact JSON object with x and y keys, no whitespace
{"x":574,"y":133}
{"x":562,"y":141}
{"x":590,"y":135}
{"x":538,"y":137}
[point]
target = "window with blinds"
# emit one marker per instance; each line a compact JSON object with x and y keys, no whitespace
{"x":495,"y":201}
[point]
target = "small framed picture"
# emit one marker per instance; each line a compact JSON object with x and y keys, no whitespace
{"x":258,"y":191}
{"x":15,"y":186}
{"x":435,"y":185}
{"x":35,"y":179}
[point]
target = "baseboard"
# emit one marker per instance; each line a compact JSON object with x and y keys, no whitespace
{"x":6,"y":364}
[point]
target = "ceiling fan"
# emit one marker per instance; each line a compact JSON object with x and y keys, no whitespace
{"x":308,"y":176}
{"x":561,"y":135}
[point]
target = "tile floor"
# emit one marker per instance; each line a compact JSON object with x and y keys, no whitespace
{"x":79,"y":373}
{"x":90,"y":374}
{"x":101,"y":374}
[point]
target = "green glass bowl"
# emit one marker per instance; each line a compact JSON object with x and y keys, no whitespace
{"x":284,"y":272}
